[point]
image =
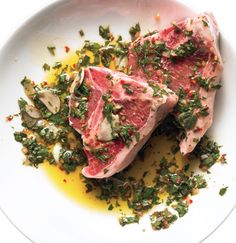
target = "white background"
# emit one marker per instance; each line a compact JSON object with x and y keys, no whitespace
{"x":13,"y":13}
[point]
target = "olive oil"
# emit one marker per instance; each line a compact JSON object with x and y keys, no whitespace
{"x":72,"y":185}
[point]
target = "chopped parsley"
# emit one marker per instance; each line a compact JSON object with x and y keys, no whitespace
{"x":104,"y":32}
{"x":184,"y":50}
{"x":176,"y":28}
{"x":81,"y":110}
{"x":51,"y":49}
{"x":84,"y":61}
{"x":81,"y":33}
{"x":187,"y":120}
{"x":22,"y":103}
{"x":91,"y":46}
{"x":19,"y":136}
{"x":177,"y":184}
{"x":70,"y":160}
{"x":188,"y":32}
{"x":29,"y":87}
{"x":203,"y":111}
{"x":101,"y":154}
{"x":83,"y":90}
{"x":205,"y":23}
{"x":107,"y":107}
{"x":223,"y":190}
{"x":106,"y":56}
{"x":148,"y":54}
{"x":46,"y":67}
{"x":143,"y":198}
{"x":126,"y":132}
{"x":156,"y":89}
{"x":208,"y":151}
{"x":49,"y":135}
{"x":203,"y":82}
{"x":181,"y":208}
{"x":128,"y":220}
{"x":109,"y":76}
{"x":162,"y":220}
{"x":57,"y":65}
{"x":127,"y":88}
{"x":63,"y":83}
{"x":111,"y":207}
{"x":207,"y":83}
{"x":135,"y":31}
{"x":35,"y":153}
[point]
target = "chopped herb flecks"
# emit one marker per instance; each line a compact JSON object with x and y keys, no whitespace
{"x":57,"y":65}
{"x":207,"y":83}
{"x":208,"y":152}
{"x":101,"y":154}
{"x":205,"y":23}
{"x":128,"y":220}
{"x":127,"y":88}
{"x":81,"y":109}
{"x":135,"y":31}
{"x":223,"y":191}
{"x":184,"y":50}
{"x":107,"y":107}
{"x":46,"y":67}
{"x":71,"y":159}
{"x":148,"y":54}
{"x":51,"y":49}
{"x":181,"y":208}
{"x":104,"y":32}
{"x":162,"y":220}
{"x":81,"y":33}
{"x":35,"y":153}
{"x":126,"y":132}
{"x":187,"y":120}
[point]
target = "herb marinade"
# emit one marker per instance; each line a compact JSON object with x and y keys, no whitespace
{"x":45,"y":125}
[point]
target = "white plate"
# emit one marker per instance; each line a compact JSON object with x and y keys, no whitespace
{"x":27,"y":196}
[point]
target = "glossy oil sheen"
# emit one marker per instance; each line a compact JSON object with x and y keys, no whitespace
{"x":72,"y":186}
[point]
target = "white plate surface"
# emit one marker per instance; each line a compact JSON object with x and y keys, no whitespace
{"x":30,"y":200}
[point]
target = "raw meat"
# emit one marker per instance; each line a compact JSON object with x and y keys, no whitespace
{"x":116,"y":114}
{"x":184,"y":56}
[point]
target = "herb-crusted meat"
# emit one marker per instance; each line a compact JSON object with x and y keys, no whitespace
{"x":185,"y":57}
{"x":115,"y":114}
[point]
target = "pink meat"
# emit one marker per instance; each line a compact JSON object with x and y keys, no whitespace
{"x":139,"y":109}
{"x":183,"y":72}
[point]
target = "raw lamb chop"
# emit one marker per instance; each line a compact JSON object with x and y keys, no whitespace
{"x":185,"y":57}
{"x":115,"y":115}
